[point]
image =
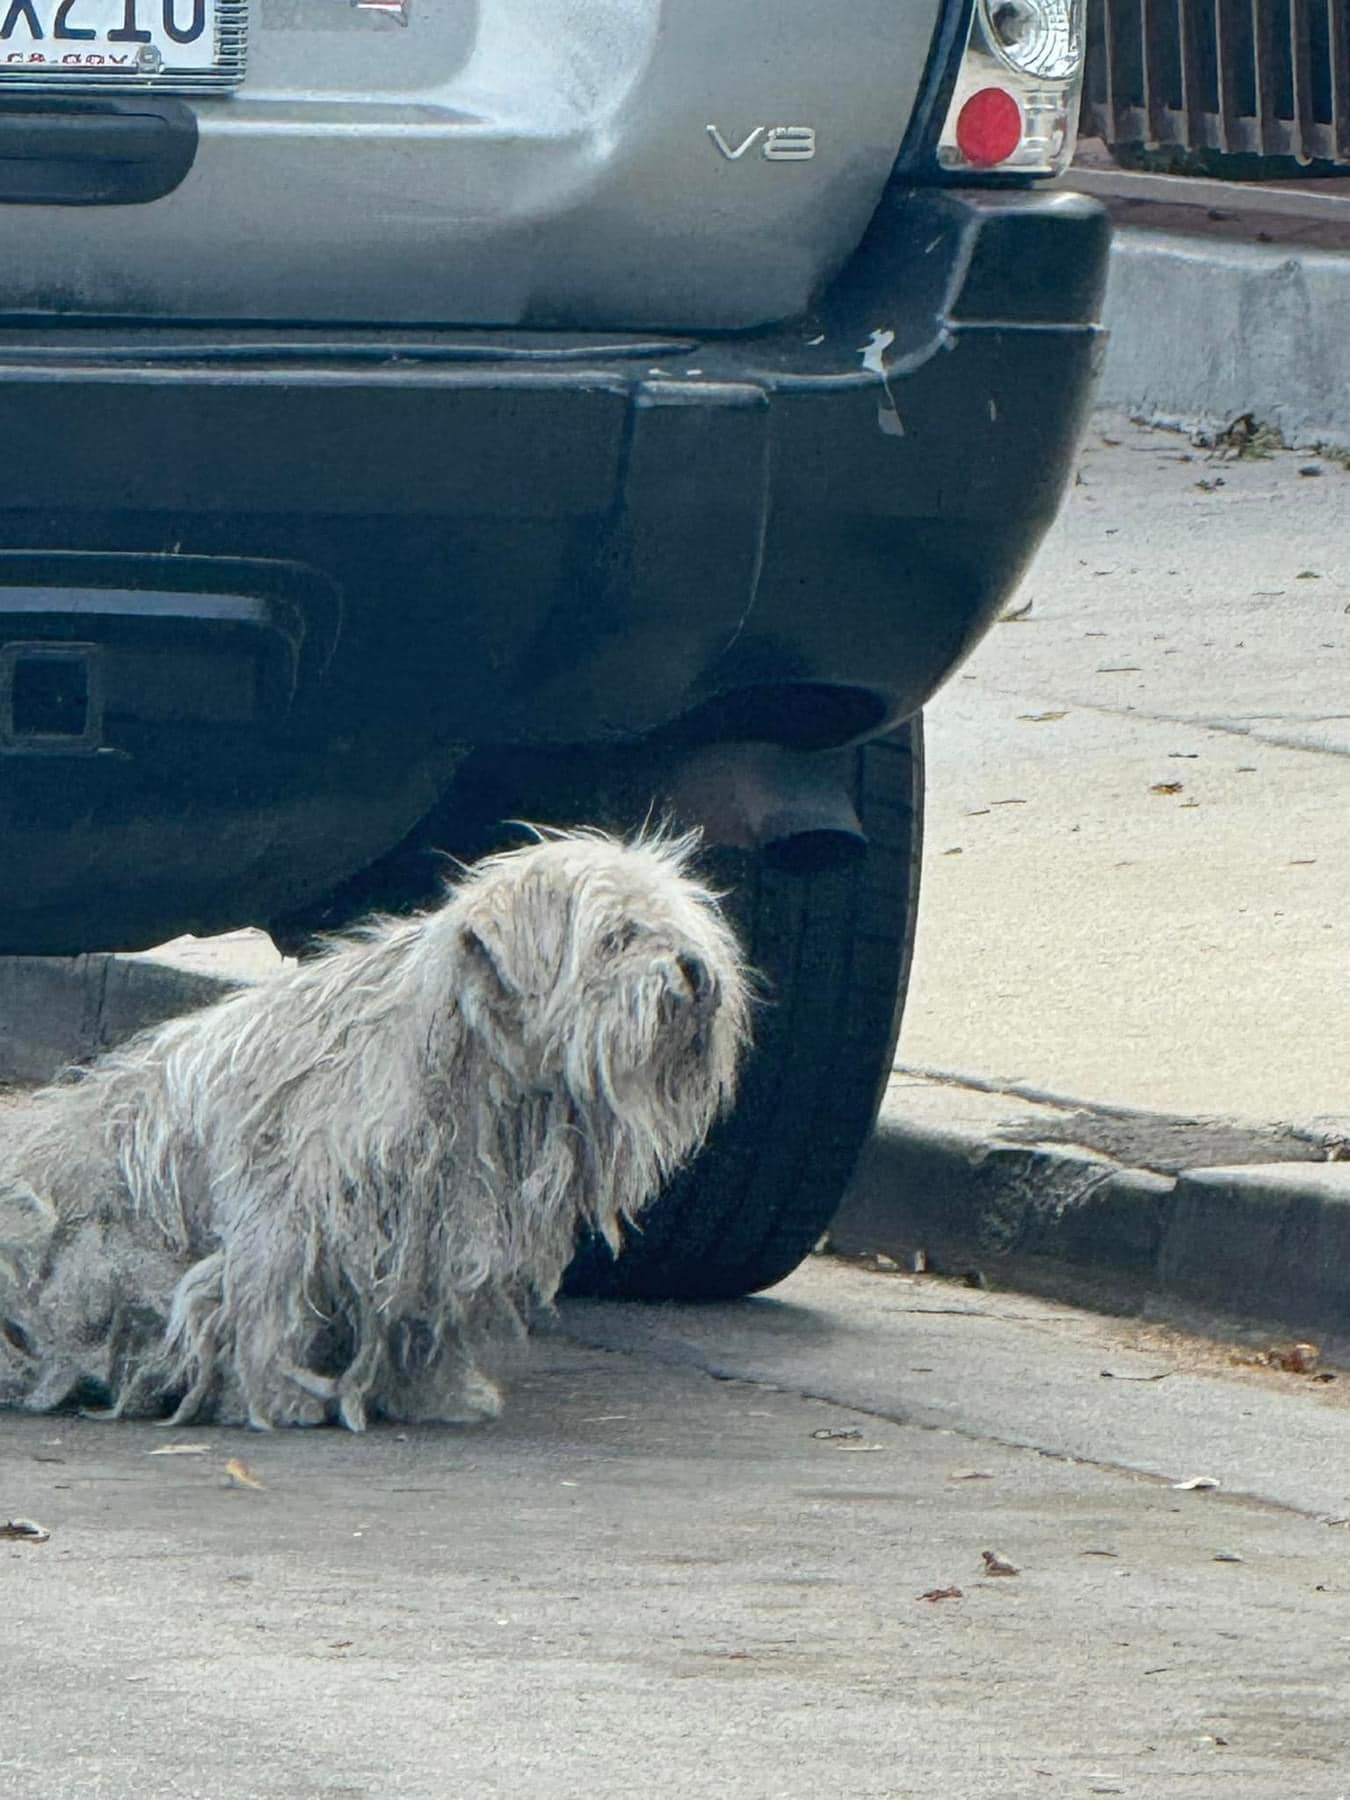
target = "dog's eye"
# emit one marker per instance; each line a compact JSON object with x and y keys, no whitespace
{"x":614,"y":943}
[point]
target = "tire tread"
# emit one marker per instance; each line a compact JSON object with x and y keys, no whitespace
{"x":768,"y":1184}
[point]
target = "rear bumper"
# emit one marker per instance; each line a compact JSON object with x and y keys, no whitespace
{"x":367,"y":552}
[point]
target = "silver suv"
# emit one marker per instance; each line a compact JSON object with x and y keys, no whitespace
{"x":426,"y":413}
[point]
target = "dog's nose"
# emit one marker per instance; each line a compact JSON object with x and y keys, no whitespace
{"x":697,"y":977}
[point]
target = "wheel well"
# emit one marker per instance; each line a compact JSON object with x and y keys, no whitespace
{"x":799,"y":715}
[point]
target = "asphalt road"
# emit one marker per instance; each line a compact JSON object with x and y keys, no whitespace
{"x":710,"y":1553}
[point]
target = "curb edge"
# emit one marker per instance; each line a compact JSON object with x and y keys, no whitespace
{"x":1265,"y":1243}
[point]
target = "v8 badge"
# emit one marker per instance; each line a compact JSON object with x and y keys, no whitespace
{"x":777,"y":143}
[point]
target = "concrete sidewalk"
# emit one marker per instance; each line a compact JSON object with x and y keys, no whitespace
{"x":733,"y":1553}
{"x":1127,"y":1048}
{"x":1139,"y":797}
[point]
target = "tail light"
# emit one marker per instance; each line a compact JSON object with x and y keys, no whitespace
{"x":1014,"y":108}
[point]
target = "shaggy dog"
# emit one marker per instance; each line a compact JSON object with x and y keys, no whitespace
{"x":320,"y":1198}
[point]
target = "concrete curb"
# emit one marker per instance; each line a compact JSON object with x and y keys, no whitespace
{"x":56,"y":1010}
{"x":1256,"y":1242}
{"x":1207,"y":330}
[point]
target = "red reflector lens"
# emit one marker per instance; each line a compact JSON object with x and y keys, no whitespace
{"x":989,"y":127}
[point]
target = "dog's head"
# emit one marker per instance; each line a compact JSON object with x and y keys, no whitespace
{"x":609,"y":967}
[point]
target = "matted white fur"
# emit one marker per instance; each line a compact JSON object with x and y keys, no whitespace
{"x":318,"y":1199}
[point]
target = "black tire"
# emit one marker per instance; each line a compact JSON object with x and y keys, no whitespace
{"x":833,"y":949}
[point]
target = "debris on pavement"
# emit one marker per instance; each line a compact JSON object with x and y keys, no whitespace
{"x":180,"y":1450}
{"x":1228,"y":1556}
{"x":1196,"y":1484}
{"x":997,"y":1564}
{"x":935,"y":1594}
{"x":241,"y":1475}
{"x":24,"y":1531}
{"x":1244,"y":436}
{"x":1298,"y":1359}
{"x":1292,"y":1359}
{"x":833,"y":1434}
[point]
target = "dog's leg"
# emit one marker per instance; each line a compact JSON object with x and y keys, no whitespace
{"x":81,"y":1314}
{"x":193,"y":1338}
{"x":248,"y":1318}
{"x":27,"y":1223}
{"x":357,"y":1381}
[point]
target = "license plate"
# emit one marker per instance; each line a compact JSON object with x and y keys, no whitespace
{"x":183,"y":45}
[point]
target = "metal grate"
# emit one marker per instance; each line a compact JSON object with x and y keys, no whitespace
{"x":1247,"y":77}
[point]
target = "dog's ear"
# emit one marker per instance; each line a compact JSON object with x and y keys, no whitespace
{"x":485,"y":953}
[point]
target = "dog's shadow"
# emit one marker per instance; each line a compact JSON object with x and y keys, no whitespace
{"x":732,"y":1339}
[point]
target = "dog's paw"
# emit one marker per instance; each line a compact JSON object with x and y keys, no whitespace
{"x":352,"y":1408}
{"x":473,"y":1400}
{"x":480,"y":1400}
{"x":278,"y":1412}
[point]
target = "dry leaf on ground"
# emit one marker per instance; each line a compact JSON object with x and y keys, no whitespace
{"x":240,"y":1474}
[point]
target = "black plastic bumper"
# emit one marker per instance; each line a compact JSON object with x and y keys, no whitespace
{"x":259,"y":592}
